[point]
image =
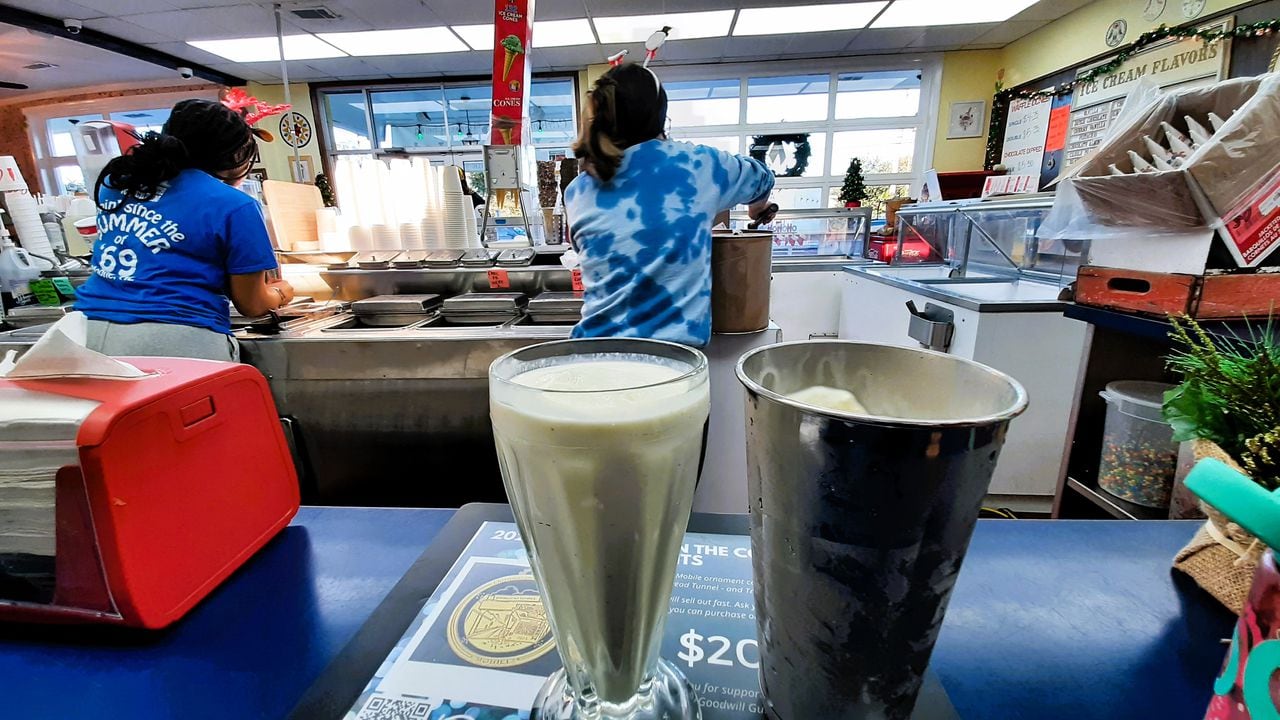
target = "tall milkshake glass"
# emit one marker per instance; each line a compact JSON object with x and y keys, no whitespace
{"x":599,"y":442}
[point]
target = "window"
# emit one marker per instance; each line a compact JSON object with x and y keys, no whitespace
{"x":52,"y":131}
{"x":799,"y":98}
{"x":448,"y":122}
{"x":806,"y":120}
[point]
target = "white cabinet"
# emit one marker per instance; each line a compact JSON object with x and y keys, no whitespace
{"x":806,"y":304}
{"x":1041,"y":349}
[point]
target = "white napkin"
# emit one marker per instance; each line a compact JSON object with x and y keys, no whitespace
{"x":61,"y":352}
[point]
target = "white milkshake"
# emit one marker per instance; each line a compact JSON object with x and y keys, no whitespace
{"x":600,"y":457}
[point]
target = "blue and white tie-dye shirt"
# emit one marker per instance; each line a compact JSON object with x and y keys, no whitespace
{"x":644,"y":238}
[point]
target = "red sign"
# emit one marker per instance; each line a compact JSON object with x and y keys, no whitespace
{"x":1059,"y":122}
{"x":1254,"y":225}
{"x":576,"y":276}
{"x":512,"y":35}
{"x":498,"y":280}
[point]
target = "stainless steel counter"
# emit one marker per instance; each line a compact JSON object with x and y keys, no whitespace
{"x":980,"y":292}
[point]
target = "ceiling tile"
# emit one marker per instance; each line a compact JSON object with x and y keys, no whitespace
{"x":188,"y":4}
{"x":764,"y":46}
{"x":883,"y":39}
{"x":630,"y":7}
{"x":832,"y":42}
{"x":210,"y":23}
{"x":950,"y":37}
{"x":1047,"y":10}
{"x":128,"y":31}
{"x":78,"y":65}
{"x":57,"y":8}
{"x":189,"y":53}
{"x":116,"y":8}
{"x":555,"y":10}
{"x":560,"y":57}
{"x":1007,"y":32}
{"x":347,"y":67}
{"x":392,"y":14}
{"x":257,"y":74}
{"x":703,"y":49}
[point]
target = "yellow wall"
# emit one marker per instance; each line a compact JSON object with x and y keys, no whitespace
{"x":1080,"y":35}
{"x":1061,"y":44}
{"x":968,"y":75}
{"x":276,"y":155}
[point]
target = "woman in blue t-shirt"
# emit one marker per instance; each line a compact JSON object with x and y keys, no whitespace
{"x":176,"y":239}
{"x":641,"y":214}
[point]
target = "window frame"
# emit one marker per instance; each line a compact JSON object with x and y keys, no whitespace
{"x":456,"y":154}
{"x":38,"y":118}
{"x":924,"y":122}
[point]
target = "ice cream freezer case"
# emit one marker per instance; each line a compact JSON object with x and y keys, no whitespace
{"x":996,"y":296}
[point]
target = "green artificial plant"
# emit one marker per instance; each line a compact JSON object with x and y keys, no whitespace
{"x":1230,"y":394}
{"x":326,"y":190}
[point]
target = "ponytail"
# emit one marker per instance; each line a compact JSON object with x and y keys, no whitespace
{"x":139,"y":173}
{"x":627,"y":106}
{"x":199,"y":134}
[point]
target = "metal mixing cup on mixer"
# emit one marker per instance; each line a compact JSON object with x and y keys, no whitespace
{"x":859,"y":522}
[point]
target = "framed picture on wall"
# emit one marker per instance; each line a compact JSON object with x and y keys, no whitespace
{"x":258,"y":173}
{"x":966,"y":119}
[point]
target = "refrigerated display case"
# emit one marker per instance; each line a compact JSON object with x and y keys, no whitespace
{"x":984,"y":237}
{"x":814,"y":233}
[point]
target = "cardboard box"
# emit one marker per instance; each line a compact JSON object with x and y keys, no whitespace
{"x":1229,"y":186}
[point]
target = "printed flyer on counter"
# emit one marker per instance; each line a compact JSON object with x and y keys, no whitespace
{"x":481,"y":647}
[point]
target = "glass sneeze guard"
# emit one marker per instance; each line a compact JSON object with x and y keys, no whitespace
{"x":814,"y":232}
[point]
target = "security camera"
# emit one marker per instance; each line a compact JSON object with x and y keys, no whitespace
{"x":185,"y":72}
{"x":73,"y":26}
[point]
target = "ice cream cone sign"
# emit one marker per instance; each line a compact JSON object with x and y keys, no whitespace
{"x":512,"y":47}
{"x":506,"y":135}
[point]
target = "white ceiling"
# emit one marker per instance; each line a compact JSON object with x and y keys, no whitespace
{"x":166,"y":25}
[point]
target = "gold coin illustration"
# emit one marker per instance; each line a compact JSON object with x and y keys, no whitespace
{"x":501,"y":624}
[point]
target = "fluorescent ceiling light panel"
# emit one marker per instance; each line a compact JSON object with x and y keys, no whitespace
{"x":479,"y":37}
{"x":684,"y":26}
{"x":933,"y":13}
{"x":562,"y":33}
{"x":406,"y":41}
{"x":265,"y":49}
{"x":808,"y":18}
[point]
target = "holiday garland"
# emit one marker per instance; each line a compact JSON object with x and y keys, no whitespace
{"x":1000,"y":105}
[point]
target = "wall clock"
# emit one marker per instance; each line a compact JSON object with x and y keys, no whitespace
{"x":295,"y":129}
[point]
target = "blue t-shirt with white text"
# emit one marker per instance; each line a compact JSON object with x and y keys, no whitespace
{"x":644,"y":238}
{"x":168,"y":260}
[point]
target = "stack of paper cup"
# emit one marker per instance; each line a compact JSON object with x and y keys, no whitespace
{"x":25,"y":215}
{"x":361,"y":239}
{"x":411,"y":236}
{"x":385,"y":237}
{"x":327,"y":230}
{"x":456,"y":208}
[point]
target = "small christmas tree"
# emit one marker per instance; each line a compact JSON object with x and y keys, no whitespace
{"x":326,"y":190}
{"x":854,"y":189}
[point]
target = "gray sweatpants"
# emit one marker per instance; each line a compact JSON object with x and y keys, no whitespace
{"x":161,"y":340}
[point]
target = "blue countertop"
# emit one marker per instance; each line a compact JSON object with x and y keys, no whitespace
{"x":1050,"y":619}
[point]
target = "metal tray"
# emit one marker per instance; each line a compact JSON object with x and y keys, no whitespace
{"x":556,"y":318}
{"x":515,"y":257}
{"x":479,"y":258}
{"x":439,"y":259}
{"x":509,"y":303}
{"x":556,"y":302}
{"x":375,"y":259}
{"x":479,"y":318}
{"x":410,"y":259}
{"x":422,"y":305}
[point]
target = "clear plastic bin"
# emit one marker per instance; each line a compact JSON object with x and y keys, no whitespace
{"x":1139,"y":456}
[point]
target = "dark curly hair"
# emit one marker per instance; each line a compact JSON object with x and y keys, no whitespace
{"x":201,"y":134}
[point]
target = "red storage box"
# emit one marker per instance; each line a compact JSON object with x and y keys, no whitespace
{"x":164,"y":485}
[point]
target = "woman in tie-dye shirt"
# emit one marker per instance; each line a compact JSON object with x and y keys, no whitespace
{"x":641,"y":214}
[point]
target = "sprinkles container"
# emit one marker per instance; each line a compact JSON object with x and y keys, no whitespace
{"x":1139,"y":456}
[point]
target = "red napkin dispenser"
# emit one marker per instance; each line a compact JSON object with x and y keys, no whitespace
{"x":128,"y":501}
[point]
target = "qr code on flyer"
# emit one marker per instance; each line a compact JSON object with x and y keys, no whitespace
{"x":381,"y":708}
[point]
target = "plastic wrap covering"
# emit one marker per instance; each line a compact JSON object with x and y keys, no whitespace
{"x":1214,"y":179}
